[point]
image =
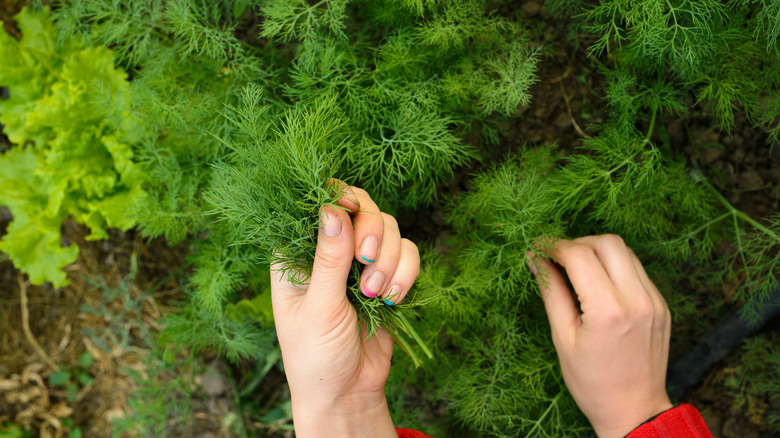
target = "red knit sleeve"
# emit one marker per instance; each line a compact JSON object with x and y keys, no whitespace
{"x":683,"y":421}
{"x":409,"y":433}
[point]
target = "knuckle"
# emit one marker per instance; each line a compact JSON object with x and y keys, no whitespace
{"x":578,"y":252}
{"x":328,"y":261}
{"x":412,"y":247}
{"x":613,"y":240}
{"x":644,"y":311}
{"x":389,"y":220}
{"x":359,"y":192}
{"x":614,"y":314}
{"x":614,"y":318}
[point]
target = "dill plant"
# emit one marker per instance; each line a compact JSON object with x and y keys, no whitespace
{"x":483,"y":315}
{"x":499,"y":377}
{"x":671,"y":59}
{"x":723,"y":54}
{"x":412,"y":80}
{"x":407,"y":82}
{"x":274,"y":183}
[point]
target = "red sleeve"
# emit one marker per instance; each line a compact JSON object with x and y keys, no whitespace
{"x":409,"y":433}
{"x":684,"y":421}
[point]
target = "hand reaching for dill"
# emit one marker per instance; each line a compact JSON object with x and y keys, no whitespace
{"x":336,"y":370}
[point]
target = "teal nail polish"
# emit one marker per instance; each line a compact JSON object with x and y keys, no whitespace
{"x":369,"y":249}
{"x":389,"y":303}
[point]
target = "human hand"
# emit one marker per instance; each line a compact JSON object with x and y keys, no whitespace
{"x":336,"y":375}
{"x":614,"y":352}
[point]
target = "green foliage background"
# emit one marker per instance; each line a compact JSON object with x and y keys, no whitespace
{"x":236,"y":114}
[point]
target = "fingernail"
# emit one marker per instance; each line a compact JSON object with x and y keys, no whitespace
{"x":369,"y":249}
{"x":373,"y":284}
{"x":529,"y":257}
{"x":389,"y":303}
{"x":330,"y":223}
{"x":392,"y":293}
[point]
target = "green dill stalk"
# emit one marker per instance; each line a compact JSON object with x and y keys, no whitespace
{"x":736,"y":214}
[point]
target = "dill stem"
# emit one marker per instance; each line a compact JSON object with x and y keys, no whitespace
{"x":413,"y":333}
{"x":397,"y":337}
{"x":652,"y":126}
{"x":736,"y":213}
{"x":538,"y":422}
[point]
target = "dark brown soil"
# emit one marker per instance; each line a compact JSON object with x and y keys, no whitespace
{"x":9,"y":8}
{"x":60,"y":322}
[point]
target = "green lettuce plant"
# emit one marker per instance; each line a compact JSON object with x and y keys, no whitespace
{"x":67,"y":113}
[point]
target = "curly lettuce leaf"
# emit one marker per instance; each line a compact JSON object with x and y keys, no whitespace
{"x":71,"y":109}
{"x":33,"y":241}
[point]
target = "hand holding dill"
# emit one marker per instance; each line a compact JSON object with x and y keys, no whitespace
{"x":336,"y":370}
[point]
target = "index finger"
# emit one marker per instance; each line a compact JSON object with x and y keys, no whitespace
{"x":368,"y":222}
{"x":348,"y":198}
{"x":616,"y":258}
{"x":586,"y":273}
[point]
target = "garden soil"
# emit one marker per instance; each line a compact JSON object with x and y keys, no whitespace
{"x":567,"y":103}
{"x":61,"y":329}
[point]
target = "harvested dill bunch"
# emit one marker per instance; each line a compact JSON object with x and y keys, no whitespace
{"x":272,"y":185}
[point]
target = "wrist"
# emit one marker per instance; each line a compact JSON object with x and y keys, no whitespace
{"x":620,"y":428}
{"x":354,"y":415}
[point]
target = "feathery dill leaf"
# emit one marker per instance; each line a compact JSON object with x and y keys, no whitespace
{"x":271,"y":190}
{"x":408,"y":92}
{"x":655,"y":39}
{"x":277,"y":178}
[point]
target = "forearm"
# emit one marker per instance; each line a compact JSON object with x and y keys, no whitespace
{"x":349,"y":417}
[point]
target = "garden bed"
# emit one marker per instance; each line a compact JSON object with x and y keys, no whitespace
{"x":80,"y":359}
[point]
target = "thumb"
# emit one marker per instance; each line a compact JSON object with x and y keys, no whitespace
{"x":333,"y":259}
{"x":558,"y":302}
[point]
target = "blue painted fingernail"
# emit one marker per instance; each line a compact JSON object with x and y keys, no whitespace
{"x":369,"y":249}
{"x":389,"y":303}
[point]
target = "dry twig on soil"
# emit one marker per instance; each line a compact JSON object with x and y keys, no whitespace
{"x":26,"y":325}
{"x":571,"y":116}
